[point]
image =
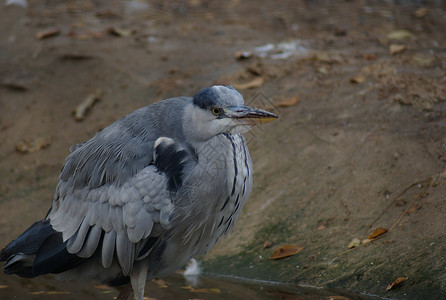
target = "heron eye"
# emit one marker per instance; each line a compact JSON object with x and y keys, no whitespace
{"x":216,"y":111}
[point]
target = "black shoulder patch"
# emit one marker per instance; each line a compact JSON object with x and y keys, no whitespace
{"x":171,"y":160}
{"x":205,"y":98}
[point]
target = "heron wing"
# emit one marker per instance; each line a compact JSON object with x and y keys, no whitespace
{"x":122,"y":218}
{"x":114,"y":219}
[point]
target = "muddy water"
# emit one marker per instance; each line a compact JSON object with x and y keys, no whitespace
{"x":173,"y":287}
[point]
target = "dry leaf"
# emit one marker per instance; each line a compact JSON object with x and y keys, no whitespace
{"x":400,"y":34}
{"x":396,"y":48}
{"x":357,"y":79}
{"x":369,"y":56}
{"x":413,"y":208}
{"x":423,"y":61}
{"x":396,"y":283}
{"x":322,"y":70}
{"x":322,"y":227}
{"x":400,"y":202}
{"x":3,"y":286}
{"x":267,"y":244}
{"x":240,"y":55}
{"x":102,"y":287}
{"x":256,"y":82}
{"x":27,"y":146}
{"x":354,"y":243}
{"x":288,"y":102}
{"x":366,"y":241}
{"x":161,"y":283}
{"x":421,"y":12}
{"x":378,"y":231}
{"x":82,"y":109}
{"x":47,"y":33}
{"x":337,"y":298}
{"x":120,"y":32}
{"x":285,"y":251}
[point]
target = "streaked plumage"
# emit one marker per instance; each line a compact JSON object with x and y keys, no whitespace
{"x":146,"y":194}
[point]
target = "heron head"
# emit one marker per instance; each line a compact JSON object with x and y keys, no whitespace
{"x":220,"y":109}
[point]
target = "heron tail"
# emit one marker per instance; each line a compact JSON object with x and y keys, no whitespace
{"x":39,"y":250}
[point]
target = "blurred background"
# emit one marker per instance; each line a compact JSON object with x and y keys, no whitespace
{"x":360,"y":87}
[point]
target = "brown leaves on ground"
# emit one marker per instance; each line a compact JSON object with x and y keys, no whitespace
{"x":377,"y":232}
{"x":47,"y":33}
{"x":84,"y":107}
{"x":286,"y":251}
{"x":399,"y":34}
{"x":256,"y":82}
{"x":396,"y":283}
{"x":396,"y":48}
{"x":357,"y":79}
{"x":288,"y":102}
{"x":354,"y":243}
{"x":30,"y":146}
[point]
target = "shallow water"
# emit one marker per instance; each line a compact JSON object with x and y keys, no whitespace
{"x":173,"y":287}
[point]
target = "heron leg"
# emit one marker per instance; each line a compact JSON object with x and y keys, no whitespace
{"x":138,"y":279}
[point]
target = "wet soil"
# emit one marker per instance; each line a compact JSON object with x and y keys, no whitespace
{"x":363,"y":147}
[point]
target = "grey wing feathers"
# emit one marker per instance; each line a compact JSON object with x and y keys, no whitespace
{"x":111,"y":197}
{"x":124,"y":222}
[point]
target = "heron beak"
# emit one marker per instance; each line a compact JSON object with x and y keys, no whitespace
{"x":249,"y":115}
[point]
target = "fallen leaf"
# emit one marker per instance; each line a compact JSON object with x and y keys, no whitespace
{"x":400,"y":202}
{"x":47,"y":33}
{"x":240,"y":55}
{"x":256,"y":82}
{"x":366,"y":241}
{"x":413,"y":208}
{"x":289,"y":102}
{"x":369,"y":56}
{"x":102,"y":287}
{"x":322,"y":227}
{"x":423,"y":61}
{"x":3,"y":286}
{"x":378,"y":231}
{"x":57,"y":293}
{"x":322,"y":70}
{"x":161,"y":283}
{"x":354,"y":243}
{"x":421,"y":12}
{"x":327,"y":57}
{"x":337,"y":298}
{"x":36,"y":293}
{"x":396,"y":48}
{"x":397,"y":282}
{"x":267,"y":244}
{"x":82,"y":109}
{"x":399,"y":34}
{"x":27,"y":146}
{"x":120,"y":32}
{"x":357,"y":79}
{"x":285,"y":251}
{"x":14,"y":85}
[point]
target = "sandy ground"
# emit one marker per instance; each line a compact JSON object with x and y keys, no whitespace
{"x":364,"y":145}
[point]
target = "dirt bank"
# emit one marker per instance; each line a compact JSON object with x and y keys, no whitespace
{"x":363,"y":147}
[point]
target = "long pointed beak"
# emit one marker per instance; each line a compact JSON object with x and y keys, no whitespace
{"x":249,"y":115}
